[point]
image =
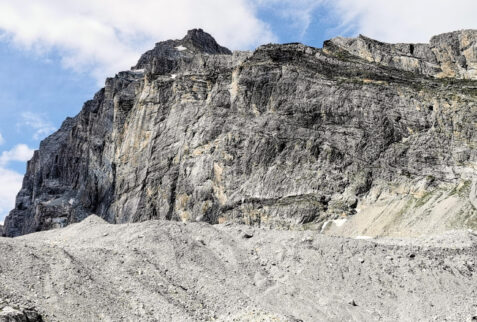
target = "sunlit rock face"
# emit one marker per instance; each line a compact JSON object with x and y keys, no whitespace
{"x":377,"y":136}
{"x":451,"y":54}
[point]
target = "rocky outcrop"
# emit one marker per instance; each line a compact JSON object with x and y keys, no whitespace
{"x":285,"y":136}
{"x":452,"y":54}
{"x":169,"y":55}
{"x":10,"y":314}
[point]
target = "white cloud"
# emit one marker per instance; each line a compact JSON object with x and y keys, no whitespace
{"x":107,"y":36}
{"x":104,"y":37}
{"x":2,"y":140}
{"x":38,"y":123}
{"x":298,"y":12}
{"x":10,"y":184}
{"x":390,"y":20}
{"x":404,"y":20}
{"x":20,"y":153}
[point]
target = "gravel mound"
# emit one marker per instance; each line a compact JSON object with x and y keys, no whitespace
{"x":169,"y":271}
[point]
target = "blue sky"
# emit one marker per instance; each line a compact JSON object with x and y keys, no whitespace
{"x":56,"y":54}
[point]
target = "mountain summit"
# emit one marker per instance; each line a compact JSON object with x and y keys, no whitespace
{"x":163,"y":58}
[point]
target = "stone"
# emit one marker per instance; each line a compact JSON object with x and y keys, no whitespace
{"x":10,"y":314}
{"x":247,"y":235}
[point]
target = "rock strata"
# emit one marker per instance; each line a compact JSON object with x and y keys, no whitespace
{"x":359,"y":138}
{"x":451,"y":54}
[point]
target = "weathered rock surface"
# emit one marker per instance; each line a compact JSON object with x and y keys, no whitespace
{"x":11,"y":314}
{"x":169,"y":271}
{"x":452,"y":54}
{"x":353,"y":139}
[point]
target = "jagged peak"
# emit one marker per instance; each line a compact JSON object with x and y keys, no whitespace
{"x":196,"y":41}
{"x":204,"y":42}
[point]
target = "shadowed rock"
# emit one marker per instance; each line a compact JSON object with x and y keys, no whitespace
{"x":167,"y":55}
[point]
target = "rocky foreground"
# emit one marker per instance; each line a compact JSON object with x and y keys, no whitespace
{"x":169,"y":271}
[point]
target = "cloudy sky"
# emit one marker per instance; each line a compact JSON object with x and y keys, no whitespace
{"x":56,"y":53}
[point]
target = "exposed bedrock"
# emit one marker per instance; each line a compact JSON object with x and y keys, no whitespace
{"x":361,"y":132}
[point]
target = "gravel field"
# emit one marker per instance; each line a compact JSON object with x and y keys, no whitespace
{"x":169,"y":271}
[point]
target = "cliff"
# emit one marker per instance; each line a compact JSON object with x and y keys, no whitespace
{"x":357,"y":138}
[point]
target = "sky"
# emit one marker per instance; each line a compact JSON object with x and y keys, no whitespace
{"x":55,"y":54}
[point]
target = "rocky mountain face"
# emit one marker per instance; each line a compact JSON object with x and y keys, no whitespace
{"x":357,"y":138}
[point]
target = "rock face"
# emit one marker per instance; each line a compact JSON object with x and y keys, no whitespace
{"x":357,"y":138}
{"x":452,"y":54}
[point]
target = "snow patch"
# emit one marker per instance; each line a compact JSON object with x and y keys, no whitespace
{"x":180,"y":48}
{"x":363,"y":237}
{"x":324,"y":226}
{"x":340,"y":222}
{"x":71,"y":201}
{"x":337,"y":222}
{"x":138,"y":71}
{"x":173,"y":76}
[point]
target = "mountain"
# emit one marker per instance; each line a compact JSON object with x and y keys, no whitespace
{"x":357,"y":138}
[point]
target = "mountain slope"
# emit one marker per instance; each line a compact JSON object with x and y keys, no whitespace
{"x":343,"y":139}
{"x":169,"y":271}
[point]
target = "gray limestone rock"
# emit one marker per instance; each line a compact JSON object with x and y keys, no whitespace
{"x":286,"y":136}
{"x":169,"y":55}
{"x":451,"y":54}
{"x":10,"y":314}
